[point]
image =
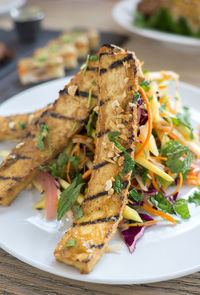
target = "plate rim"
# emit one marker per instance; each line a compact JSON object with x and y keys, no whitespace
{"x":154,"y":34}
{"x":85,"y":278}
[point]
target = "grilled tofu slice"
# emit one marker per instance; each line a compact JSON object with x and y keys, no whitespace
{"x":119,"y":74}
{"x":20,"y":166}
{"x":16,"y":126}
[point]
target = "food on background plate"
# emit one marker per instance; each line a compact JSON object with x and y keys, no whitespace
{"x":6,"y":54}
{"x":172,"y":16}
{"x":58,"y":55}
{"x":149,"y":165}
{"x":40,"y":68}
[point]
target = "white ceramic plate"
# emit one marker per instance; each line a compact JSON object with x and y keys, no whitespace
{"x":123,"y":13}
{"x":8,"y":5}
{"x":165,"y":252}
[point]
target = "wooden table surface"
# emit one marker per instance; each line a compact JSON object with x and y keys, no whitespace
{"x":17,"y":278}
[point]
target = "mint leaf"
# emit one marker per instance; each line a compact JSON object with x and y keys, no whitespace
{"x":162,"y":203}
{"x":40,"y":144}
{"x":94,"y":58}
{"x":136,"y":96}
{"x":181,"y":208}
{"x":69,"y":196}
{"x":112,"y":137}
{"x":70,"y":243}
{"x":134,"y":195}
{"x":78,"y":212}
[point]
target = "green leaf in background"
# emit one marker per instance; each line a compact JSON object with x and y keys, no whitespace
{"x":181,"y":207}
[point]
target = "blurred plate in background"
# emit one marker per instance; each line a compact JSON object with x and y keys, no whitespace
{"x":123,"y":13}
{"x":7,"y":5}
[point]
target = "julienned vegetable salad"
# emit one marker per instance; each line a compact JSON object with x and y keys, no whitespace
{"x":167,"y":155}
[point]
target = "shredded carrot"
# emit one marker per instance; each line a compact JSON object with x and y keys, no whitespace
{"x":149,"y":122}
{"x":159,"y":158}
{"x":173,"y":136}
{"x":169,"y":172}
{"x":75,"y":149}
{"x":154,"y":181}
{"x":146,"y":223}
{"x":192,"y":177}
{"x":170,"y":108}
{"x":162,"y":86}
{"x":162,"y":100}
{"x":179,"y":185}
{"x":81,"y":136}
{"x":142,"y":63}
{"x":167,"y":77}
{"x":158,"y":213}
{"x":87,"y":173}
{"x":163,"y":115}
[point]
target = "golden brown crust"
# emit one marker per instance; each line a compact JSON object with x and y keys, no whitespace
{"x":19,"y":167}
{"x":102,"y":207}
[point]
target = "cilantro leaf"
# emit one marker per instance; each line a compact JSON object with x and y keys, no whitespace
{"x":78,"y":212}
{"x":70,"y":243}
{"x":69,"y":196}
{"x":129,"y":164}
{"x":181,"y":208}
{"x":133,"y":194}
{"x":162,"y":203}
{"x":195,"y":198}
{"x":117,"y":186}
{"x":174,"y":151}
{"x":183,"y":119}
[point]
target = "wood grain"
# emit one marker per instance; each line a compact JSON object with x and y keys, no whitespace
{"x":18,"y":278}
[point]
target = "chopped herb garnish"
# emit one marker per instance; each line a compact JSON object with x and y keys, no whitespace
{"x":44,"y":133}
{"x":78,"y":212}
{"x":69,"y":196}
{"x":117,"y":186}
{"x":183,"y":119}
{"x":136,"y":96}
{"x":94,"y":83}
{"x":134,"y":195}
{"x":41,"y":58}
{"x":86,"y":64}
{"x":94,"y":58}
{"x":66,"y":39}
{"x":163,"y":107}
{"x":21,"y":125}
{"x":174,"y":151}
{"x":181,"y":207}
{"x":70,"y":243}
{"x":91,"y":125}
{"x":162,"y":203}
{"x":195,"y":197}
{"x":89,"y":99}
{"x":129,"y":164}
{"x":75,"y":126}
{"x":145,"y":85}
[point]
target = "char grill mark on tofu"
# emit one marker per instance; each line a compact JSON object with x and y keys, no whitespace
{"x":96,"y":69}
{"x":102,"y":213}
{"x":79,"y":93}
{"x":100,"y":165}
{"x":100,"y":220}
{"x":101,"y":194}
{"x":15,"y":177}
{"x":101,"y":133}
